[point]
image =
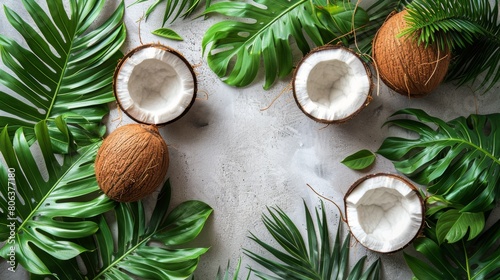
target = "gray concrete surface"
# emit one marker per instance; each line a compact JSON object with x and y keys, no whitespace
{"x":239,"y":159}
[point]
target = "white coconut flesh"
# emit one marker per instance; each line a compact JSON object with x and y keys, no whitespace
{"x":332,"y":84}
{"x":155,"y":85}
{"x":384,"y":213}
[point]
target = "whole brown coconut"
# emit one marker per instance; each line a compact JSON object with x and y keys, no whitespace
{"x":405,"y":66}
{"x":132,"y":162}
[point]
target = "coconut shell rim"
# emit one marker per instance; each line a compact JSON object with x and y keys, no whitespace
{"x":353,"y":114}
{"x":167,"y":49}
{"x":409,"y":184}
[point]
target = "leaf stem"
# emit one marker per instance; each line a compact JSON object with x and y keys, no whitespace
{"x":466,"y":260}
{"x":59,"y":83}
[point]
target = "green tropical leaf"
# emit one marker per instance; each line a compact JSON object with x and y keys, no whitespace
{"x":225,"y":275}
{"x":359,"y":160}
{"x":378,"y":13}
{"x":167,"y":33}
{"x":436,"y":203}
{"x":175,"y":8}
{"x":421,"y":269}
{"x":453,"y":225}
{"x":341,"y":18}
{"x":458,"y":160}
{"x":449,"y":23}
{"x":470,"y":28}
{"x":144,"y":249}
{"x":65,"y":76}
{"x":47,"y":212}
{"x":235,"y":48}
{"x":475,"y":259}
{"x":306,"y":257}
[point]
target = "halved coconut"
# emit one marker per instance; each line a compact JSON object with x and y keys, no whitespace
{"x":154,"y":84}
{"x":385,"y":212}
{"x":331,"y":84}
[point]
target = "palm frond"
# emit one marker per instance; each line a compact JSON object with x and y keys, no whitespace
{"x":449,"y":23}
{"x":142,"y":249}
{"x":470,"y":28}
{"x":478,"y":64}
{"x":48,"y":212}
{"x":175,"y":9}
{"x":236,"y":47}
{"x":65,"y":74}
{"x":306,"y":257}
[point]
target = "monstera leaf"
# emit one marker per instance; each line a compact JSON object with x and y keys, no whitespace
{"x":475,"y":259}
{"x":263,"y":31}
{"x":142,"y":249}
{"x":65,"y":75}
{"x":458,"y":161}
{"x":307,"y":257}
{"x":46,"y":213}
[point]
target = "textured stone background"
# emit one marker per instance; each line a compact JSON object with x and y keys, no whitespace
{"x":240,"y":159}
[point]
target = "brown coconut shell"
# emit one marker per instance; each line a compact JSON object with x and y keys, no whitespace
{"x":406,"y":182}
{"x":404,"y":65}
{"x":132,"y":162}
